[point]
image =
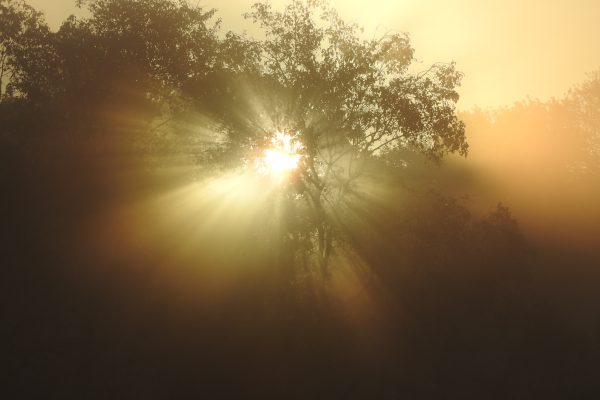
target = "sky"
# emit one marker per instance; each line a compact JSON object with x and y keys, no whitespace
{"x":508,"y":50}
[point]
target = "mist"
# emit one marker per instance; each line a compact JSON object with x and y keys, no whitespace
{"x":290,"y":206}
{"x":541,"y":158}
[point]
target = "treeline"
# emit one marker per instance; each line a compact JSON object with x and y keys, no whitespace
{"x":541,"y":157}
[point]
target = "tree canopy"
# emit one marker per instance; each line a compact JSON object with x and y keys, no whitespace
{"x":347,"y":103}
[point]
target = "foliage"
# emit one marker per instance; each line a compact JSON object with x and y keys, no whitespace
{"x":584,"y":105}
{"x":559,"y":135}
{"x":347,"y":100}
{"x":23,"y":43}
{"x":143,"y":68}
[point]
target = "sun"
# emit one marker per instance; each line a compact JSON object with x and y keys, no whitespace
{"x":282,"y":157}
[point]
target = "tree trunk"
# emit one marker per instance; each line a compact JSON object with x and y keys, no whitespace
{"x":325,"y":247}
{"x":324,"y":238}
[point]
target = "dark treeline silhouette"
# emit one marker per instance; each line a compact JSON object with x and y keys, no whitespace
{"x":135,"y":265}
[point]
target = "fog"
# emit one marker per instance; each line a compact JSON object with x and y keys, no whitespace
{"x":303,"y":210}
{"x":542,"y":160}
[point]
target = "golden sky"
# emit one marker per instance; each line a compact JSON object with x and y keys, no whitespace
{"x":507,"y":49}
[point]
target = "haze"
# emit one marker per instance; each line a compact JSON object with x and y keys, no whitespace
{"x":300,"y":212}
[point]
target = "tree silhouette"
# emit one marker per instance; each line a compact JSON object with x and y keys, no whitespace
{"x":347,"y":101}
{"x":22,"y":30}
{"x":134,"y":67}
{"x":583,"y":103}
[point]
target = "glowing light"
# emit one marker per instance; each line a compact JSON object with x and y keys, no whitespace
{"x":282,"y":157}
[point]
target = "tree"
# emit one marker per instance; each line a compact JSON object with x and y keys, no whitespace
{"x":583,"y":102}
{"x":22,"y":29}
{"x":101,"y":86}
{"x":348,"y":105}
{"x":346,"y":102}
{"x":128,"y":56}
